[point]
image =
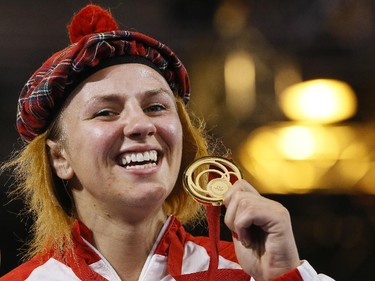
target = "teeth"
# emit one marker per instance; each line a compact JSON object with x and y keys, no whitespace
{"x":140,"y":157}
{"x":134,"y":158}
{"x":141,"y":166}
{"x":146,"y":156}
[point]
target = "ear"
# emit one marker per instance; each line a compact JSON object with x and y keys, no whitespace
{"x":59,"y":160}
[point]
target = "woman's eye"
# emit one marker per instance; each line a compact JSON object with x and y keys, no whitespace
{"x":105,"y":113}
{"x":155,"y":108}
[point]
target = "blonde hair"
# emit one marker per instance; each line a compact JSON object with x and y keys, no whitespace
{"x":36,"y":184}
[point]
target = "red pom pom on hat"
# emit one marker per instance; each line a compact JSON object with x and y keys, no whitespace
{"x":90,"y":19}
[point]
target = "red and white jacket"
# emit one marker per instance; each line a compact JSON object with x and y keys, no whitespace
{"x":176,"y":255}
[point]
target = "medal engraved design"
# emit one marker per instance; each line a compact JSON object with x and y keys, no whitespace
{"x":207,"y":179}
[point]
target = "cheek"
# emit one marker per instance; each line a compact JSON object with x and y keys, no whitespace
{"x":99,"y":133}
{"x":173,"y":133}
{"x":90,"y":141}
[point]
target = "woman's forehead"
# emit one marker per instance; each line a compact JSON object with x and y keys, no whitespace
{"x":126,"y":73}
{"x":126,"y":78}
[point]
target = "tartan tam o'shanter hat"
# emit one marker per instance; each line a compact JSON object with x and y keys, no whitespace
{"x":97,"y":42}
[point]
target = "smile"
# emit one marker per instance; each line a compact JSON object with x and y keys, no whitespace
{"x":139,"y":160}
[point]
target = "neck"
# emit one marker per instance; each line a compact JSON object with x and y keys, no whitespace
{"x":126,"y":245}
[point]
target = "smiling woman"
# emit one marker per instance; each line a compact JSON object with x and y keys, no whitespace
{"x":107,"y":138}
{"x":134,"y":122}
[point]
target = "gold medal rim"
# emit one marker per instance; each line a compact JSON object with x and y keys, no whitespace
{"x":205,"y":161}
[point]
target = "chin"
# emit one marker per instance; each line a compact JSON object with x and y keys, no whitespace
{"x":150,"y":196}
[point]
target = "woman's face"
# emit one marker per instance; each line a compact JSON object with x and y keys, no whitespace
{"x":122,"y":141}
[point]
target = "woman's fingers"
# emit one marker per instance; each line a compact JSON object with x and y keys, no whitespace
{"x":241,"y":199}
{"x":248,"y":210}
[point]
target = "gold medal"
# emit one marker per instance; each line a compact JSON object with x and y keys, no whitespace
{"x":207,"y":179}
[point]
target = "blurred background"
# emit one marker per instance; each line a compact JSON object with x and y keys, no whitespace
{"x":288,"y":86}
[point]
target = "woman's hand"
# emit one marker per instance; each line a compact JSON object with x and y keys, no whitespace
{"x":265,"y":245}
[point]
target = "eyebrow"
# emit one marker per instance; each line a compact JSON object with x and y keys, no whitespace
{"x":115,"y":97}
{"x":159,"y":91}
{"x":105,"y":98}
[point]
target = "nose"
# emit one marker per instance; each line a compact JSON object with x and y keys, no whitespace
{"x":138,"y":124}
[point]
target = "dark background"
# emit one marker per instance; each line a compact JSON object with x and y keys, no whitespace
{"x":332,"y":39}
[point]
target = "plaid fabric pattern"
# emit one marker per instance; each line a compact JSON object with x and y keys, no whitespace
{"x":44,"y":93}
